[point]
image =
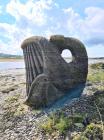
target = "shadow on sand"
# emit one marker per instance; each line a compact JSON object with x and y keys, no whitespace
{"x":66,"y":99}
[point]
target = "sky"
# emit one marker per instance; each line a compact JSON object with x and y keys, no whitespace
{"x":81,"y":19}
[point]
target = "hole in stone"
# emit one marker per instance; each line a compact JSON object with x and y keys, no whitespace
{"x":66,"y":55}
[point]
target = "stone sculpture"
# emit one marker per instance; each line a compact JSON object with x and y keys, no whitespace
{"x":48,"y":75}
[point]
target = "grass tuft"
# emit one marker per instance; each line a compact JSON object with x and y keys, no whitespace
{"x":61,"y":123}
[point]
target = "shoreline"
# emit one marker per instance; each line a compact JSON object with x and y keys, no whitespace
{"x":22,"y":59}
{"x":11,"y":59}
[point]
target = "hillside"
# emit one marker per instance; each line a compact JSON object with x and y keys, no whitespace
{"x":3,"y":55}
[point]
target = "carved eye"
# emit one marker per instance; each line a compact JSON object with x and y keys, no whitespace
{"x":66,"y":55}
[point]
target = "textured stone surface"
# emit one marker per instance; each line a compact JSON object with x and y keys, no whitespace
{"x":48,"y":75}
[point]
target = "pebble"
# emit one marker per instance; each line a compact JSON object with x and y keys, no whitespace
{"x":24,"y":127}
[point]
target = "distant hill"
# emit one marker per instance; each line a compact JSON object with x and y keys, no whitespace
{"x":3,"y":55}
{"x":96,"y":58}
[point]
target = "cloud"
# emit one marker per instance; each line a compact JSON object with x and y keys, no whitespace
{"x":14,"y":35}
{"x":89,"y":28}
{"x":28,"y":16}
{"x":31,"y":11}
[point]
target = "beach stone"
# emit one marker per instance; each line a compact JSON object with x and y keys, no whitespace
{"x":48,"y":75}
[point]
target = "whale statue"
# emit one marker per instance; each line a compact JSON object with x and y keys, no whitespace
{"x":48,"y":76}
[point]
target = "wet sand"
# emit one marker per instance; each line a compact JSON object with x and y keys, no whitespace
{"x":10,"y":59}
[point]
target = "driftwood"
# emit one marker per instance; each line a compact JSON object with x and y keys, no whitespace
{"x":48,"y":75}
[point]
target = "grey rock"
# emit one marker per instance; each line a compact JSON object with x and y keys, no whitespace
{"x":48,"y":75}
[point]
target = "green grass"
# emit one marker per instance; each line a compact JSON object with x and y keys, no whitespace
{"x":61,"y":123}
{"x":92,"y":131}
{"x":98,"y":76}
{"x":96,"y":73}
{"x":55,"y":122}
{"x":97,"y":66}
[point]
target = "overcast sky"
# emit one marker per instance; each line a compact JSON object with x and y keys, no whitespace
{"x":82,"y":19}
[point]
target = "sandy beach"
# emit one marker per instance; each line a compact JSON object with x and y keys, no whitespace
{"x":10,"y":59}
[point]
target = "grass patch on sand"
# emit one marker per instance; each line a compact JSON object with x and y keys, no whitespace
{"x":92,"y":132}
{"x":96,"y":73}
{"x":14,"y":107}
{"x":98,"y":76}
{"x":97,"y":66}
{"x":99,"y":100}
{"x":61,"y":123}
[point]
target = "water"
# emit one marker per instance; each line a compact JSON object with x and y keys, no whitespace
{"x":12,"y":65}
{"x":90,"y":61}
{"x":20,"y":64}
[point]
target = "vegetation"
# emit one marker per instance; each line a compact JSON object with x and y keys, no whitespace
{"x":61,"y":123}
{"x":55,"y":122}
{"x":100,"y":88}
{"x":92,"y":132}
{"x":97,"y":66}
{"x":13,"y":107}
{"x":98,"y":76}
{"x":99,"y":100}
{"x":96,"y":73}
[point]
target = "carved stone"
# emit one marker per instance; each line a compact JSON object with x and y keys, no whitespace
{"x":48,"y":75}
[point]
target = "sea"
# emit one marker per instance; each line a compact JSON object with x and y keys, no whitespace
{"x":20,"y":64}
